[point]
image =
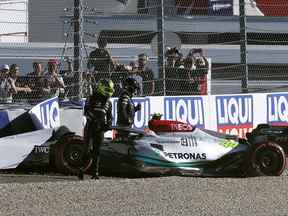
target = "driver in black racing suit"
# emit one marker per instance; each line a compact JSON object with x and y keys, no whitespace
{"x":98,"y":112}
{"x":125,"y":107}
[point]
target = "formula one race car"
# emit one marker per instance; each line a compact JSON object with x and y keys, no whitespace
{"x":176,"y":148}
{"x":272,"y":134}
{"x":62,"y":152}
{"x":165,"y":148}
{"x":23,"y":147}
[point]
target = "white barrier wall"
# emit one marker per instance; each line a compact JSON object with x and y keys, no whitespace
{"x":44,"y":115}
{"x":234,"y":114}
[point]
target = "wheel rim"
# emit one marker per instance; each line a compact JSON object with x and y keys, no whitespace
{"x":73,"y":155}
{"x":269,"y":160}
{"x":266,"y":162}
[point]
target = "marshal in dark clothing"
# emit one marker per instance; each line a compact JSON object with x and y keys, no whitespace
{"x":100,"y":59}
{"x":126,"y":108}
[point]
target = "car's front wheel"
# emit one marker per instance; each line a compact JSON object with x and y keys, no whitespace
{"x":70,"y":154}
{"x":267,"y":159}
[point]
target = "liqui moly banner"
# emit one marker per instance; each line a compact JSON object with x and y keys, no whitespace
{"x":185,"y":109}
{"x":46,"y":114}
{"x":141,"y":117}
{"x":230,"y":114}
{"x":4,"y":118}
{"x":234,"y":114}
{"x":277,"y":109}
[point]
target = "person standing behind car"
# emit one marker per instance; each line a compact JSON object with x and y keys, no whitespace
{"x":100,"y":59}
{"x":4,"y":87}
{"x":98,"y":112}
{"x":36,"y":83}
{"x":143,"y":69}
{"x":14,"y":90}
{"x":201,"y":70}
{"x":54,"y":83}
{"x":126,"y":108}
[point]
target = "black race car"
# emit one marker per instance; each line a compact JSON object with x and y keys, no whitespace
{"x":270,"y":134}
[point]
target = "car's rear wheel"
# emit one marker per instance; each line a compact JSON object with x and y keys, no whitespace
{"x":267,"y":159}
{"x":70,"y":154}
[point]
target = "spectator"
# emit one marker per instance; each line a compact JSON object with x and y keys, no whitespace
{"x":36,"y":83}
{"x":69,"y":65}
{"x":9,"y":87}
{"x":54,"y":84}
{"x":199,"y":71}
{"x":120,"y":74}
{"x":4,"y":69}
{"x":136,"y":74}
{"x":189,"y":62}
{"x":173,"y":57}
{"x":143,"y":70}
{"x":4,"y":88}
{"x":37,"y":70}
{"x":182,"y":79}
{"x":201,"y":61}
{"x":88,"y":84}
{"x":174,"y":62}
{"x":132,"y":66}
{"x":100,"y":59}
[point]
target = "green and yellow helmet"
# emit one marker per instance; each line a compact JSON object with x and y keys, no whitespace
{"x":105,"y":87}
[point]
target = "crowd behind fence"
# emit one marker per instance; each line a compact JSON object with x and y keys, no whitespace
{"x":186,"y":50}
{"x":185,"y":75}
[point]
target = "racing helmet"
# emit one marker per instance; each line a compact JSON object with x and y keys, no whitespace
{"x":156,"y":116}
{"x":105,"y":87}
{"x":131,"y":85}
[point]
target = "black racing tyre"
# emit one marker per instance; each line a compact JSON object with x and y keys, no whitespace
{"x":69,"y":154}
{"x":267,"y":159}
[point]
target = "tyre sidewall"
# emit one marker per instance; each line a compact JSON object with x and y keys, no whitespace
{"x":254,"y":168}
{"x":61,"y":164}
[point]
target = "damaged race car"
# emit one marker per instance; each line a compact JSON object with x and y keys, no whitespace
{"x":176,"y":148}
{"x":26,"y":147}
{"x":166,"y":147}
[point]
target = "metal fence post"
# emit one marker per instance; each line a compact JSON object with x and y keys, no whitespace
{"x":78,"y":45}
{"x":161,"y":48}
{"x":243,"y":46}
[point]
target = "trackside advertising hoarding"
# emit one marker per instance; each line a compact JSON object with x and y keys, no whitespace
{"x":277,"y":109}
{"x":231,"y":114}
{"x":46,"y":114}
{"x":234,"y":114}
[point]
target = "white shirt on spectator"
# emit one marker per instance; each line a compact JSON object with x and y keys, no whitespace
{"x":7,"y":87}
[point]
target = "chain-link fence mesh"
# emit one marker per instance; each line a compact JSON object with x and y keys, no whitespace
{"x":15,"y":27}
{"x":171,"y":47}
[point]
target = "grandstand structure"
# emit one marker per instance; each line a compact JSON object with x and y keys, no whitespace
{"x":14,"y":21}
{"x":131,"y":27}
